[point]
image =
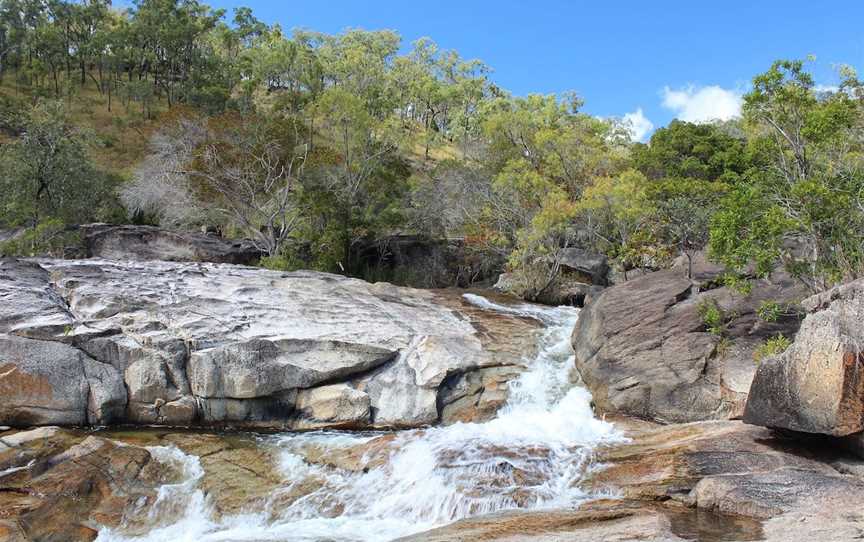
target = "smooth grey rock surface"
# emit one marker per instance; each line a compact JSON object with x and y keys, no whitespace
{"x":156,"y":342}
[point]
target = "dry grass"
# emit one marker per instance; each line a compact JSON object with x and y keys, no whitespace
{"x":118,"y":137}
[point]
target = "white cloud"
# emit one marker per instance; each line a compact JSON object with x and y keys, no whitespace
{"x":826,"y":89}
{"x":638,"y":124}
{"x":702,"y":104}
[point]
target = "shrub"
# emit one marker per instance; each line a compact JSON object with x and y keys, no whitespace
{"x":770,"y":311}
{"x":772,"y":347}
{"x":50,"y":238}
{"x":712,"y":316}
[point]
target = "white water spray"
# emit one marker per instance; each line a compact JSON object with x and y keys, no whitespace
{"x":531,"y":456}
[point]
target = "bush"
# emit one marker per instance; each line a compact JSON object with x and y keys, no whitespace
{"x":771,"y":348}
{"x":712,"y":316}
{"x":50,"y":238}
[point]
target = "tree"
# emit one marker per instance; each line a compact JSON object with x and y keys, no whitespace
{"x":355,"y":184}
{"x":48,"y":174}
{"x":808,"y":183}
{"x":684,"y":208}
{"x":695,"y":151}
{"x":248,"y":168}
{"x":619,"y":217}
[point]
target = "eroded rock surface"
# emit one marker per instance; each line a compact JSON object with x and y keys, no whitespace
{"x":799,"y":489}
{"x":643,"y":347}
{"x":817,"y":384}
{"x":61,"y":486}
{"x":142,"y":243}
{"x":98,"y":342}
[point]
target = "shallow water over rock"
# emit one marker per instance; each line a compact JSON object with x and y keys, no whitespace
{"x":380,"y":486}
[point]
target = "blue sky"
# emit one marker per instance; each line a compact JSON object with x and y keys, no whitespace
{"x":668,"y":59}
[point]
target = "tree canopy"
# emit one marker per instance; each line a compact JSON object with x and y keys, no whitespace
{"x":314,"y":145}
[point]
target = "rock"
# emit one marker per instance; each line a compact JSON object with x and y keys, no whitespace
{"x":239,"y":474}
{"x":619,"y":276}
{"x":188,"y":344}
{"x":423,"y":262}
{"x":774,"y":493}
{"x":592,"y":266}
{"x":23,"y":437}
{"x":262,"y":367}
{"x":43,"y":382}
{"x":730,"y":468}
{"x":607,"y":520}
{"x":27,"y":299}
{"x":564,"y":291}
{"x":475,"y":395}
{"x":643,"y":349}
{"x":141,"y":243}
{"x":704,"y":273}
{"x":668,"y":461}
{"x":70,"y":485}
{"x":817,"y":384}
{"x":332,"y":406}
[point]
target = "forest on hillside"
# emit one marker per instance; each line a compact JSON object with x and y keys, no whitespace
{"x":313,"y":145}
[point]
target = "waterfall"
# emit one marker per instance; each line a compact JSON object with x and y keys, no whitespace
{"x":532,"y":455}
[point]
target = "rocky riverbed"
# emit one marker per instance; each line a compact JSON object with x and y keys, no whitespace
{"x":307,"y":406}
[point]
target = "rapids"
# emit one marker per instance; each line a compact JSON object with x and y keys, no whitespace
{"x":531,"y":456}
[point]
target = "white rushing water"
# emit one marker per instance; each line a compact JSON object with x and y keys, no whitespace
{"x":531,"y":456}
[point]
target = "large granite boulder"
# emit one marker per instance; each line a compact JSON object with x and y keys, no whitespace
{"x":817,"y":384}
{"x":96,"y":342}
{"x":593,"y":267}
{"x":644,"y":348}
{"x":581,"y":278}
{"x":50,"y":382}
{"x":142,"y":243}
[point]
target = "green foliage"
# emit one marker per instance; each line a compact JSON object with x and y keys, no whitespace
{"x":801,"y":203}
{"x":771,"y":347}
{"x":694,"y":151}
{"x":379,"y":141}
{"x":739,"y":283}
{"x":13,"y":114}
{"x":47,"y":173}
{"x":770,"y":311}
{"x":712,"y":316}
{"x":50,"y":238}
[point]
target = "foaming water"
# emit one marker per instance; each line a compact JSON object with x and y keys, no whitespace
{"x":531,"y":456}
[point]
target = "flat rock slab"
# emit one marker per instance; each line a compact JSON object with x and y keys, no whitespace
{"x":728,"y":468}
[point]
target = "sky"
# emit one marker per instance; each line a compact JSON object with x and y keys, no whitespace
{"x":646,"y":61}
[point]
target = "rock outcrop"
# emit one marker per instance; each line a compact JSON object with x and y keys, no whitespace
{"x":143,"y":243}
{"x":725,"y":469}
{"x":98,"y":342}
{"x":593,"y":268}
{"x":644,"y":347}
{"x":581,"y":278}
{"x":817,"y":384}
{"x":423,"y":262}
{"x":61,"y":486}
